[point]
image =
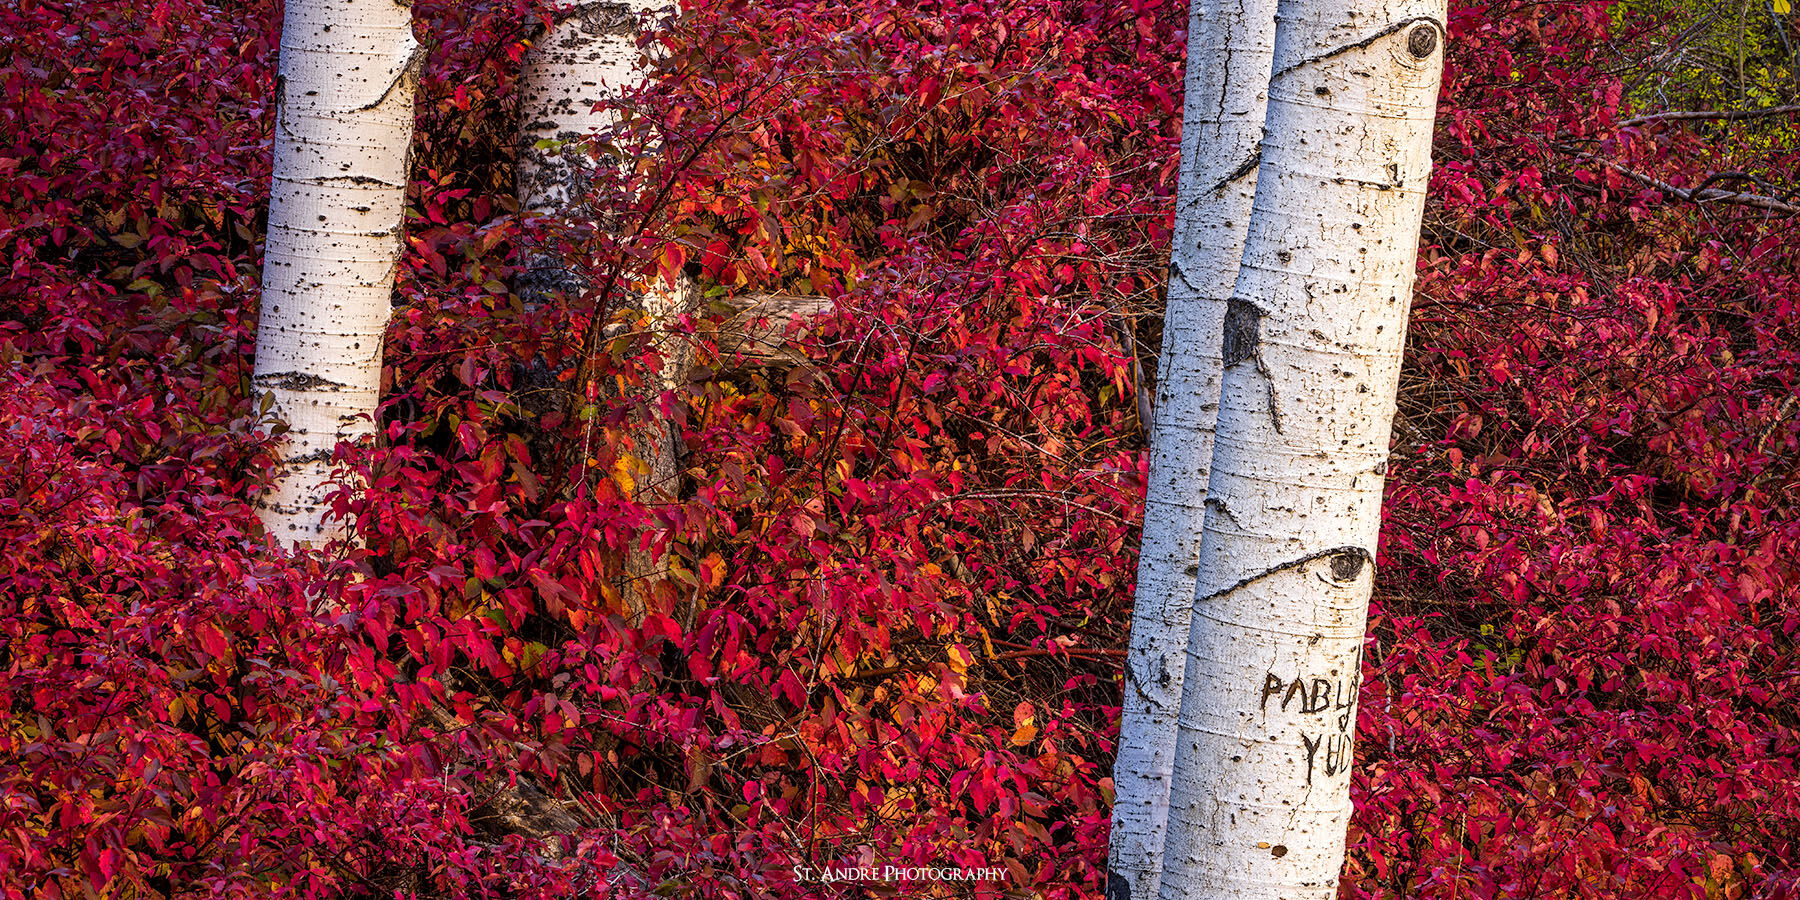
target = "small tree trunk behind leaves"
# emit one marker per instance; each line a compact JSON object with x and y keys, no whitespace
{"x":1230,"y":46}
{"x":588,"y":57}
{"x":652,"y":461}
{"x":342,"y":131}
{"x":1313,"y":336}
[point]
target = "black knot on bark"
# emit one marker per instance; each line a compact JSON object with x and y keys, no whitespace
{"x":1243,"y":332}
{"x":1346,"y":566}
{"x":1422,"y":42}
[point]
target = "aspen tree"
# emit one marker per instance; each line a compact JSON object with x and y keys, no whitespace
{"x":1230,"y":47}
{"x":1312,"y":341}
{"x":587,"y":58}
{"x":343,"y":127}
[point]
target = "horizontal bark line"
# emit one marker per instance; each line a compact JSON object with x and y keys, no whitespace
{"x":318,"y":180}
{"x":1358,"y":45}
{"x":1363,"y":555}
{"x":299,"y":381}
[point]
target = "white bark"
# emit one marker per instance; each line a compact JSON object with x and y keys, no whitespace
{"x":1230,"y":48}
{"x":336,"y":206}
{"x":588,"y":57}
{"x":1312,"y":341}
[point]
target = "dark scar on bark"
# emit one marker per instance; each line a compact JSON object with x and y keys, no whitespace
{"x":608,"y":19}
{"x":1422,"y":42}
{"x":1136,"y":682}
{"x":1359,"y":556}
{"x":1357,"y":45}
{"x":1224,"y":510}
{"x":1117,"y":888}
{"x":1243,"y":341}
{"x":1346,"y":566}
{"x":1243,"y":331}
{"x":409,"y":70}
{"x":299,"y":381}
{"x":1244,"y":168}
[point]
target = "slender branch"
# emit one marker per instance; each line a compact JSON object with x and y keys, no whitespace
{"x":1076,"y":653}
{"x":1715,"y":114}
{"x":1717,"y":177}
{"x":1706,"y":195}
{"x":1014,"y":495}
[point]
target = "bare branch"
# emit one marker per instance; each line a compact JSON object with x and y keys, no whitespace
{"x":1714,"y":114}
{"x":1705,"y":195}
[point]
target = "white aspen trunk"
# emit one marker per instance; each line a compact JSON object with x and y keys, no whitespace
{"x":343,"y":127}
{"x":1260,"y":803}
{"x":589,"y":56}
{"x":653,"y":460}
{"x":1230,"y":48}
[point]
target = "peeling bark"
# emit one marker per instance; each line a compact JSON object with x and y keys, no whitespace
{"x":343,"y":127}
{"x":1260,"y":802}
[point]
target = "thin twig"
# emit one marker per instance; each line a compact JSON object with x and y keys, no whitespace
{"x":1708,"y":195}
{"x":1015,"y":495}
{"x":1717,"y":114}
{"x":1076,"y":653}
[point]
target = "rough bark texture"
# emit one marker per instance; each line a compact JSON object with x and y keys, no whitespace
{"x":757,"y":328}
{"x":588,"y":56}
{"x":342,"y":132}
{"x":1312,"y":341}
{"x":1230,"y":47}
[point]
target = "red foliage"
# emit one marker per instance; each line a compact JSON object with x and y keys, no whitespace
{"x":1584,"y":663}
{"x":900,"y":572}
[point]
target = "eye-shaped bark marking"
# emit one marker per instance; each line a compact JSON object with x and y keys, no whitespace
{"x":1243,"y":332}
{"x":1422,"y":42}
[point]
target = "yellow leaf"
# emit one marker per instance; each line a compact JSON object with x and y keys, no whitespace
{"x":624,"y":469}
{"x":712,"y":570}
{"x":961,"y":659}
{"x":1783,"y":7}
{"x":1025,"y":717}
